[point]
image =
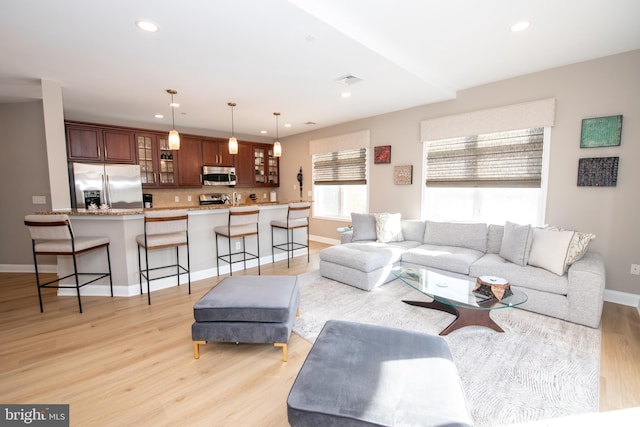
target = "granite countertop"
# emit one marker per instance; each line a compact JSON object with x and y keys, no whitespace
{"x":121,"y":212}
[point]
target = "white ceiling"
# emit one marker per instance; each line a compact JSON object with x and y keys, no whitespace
{"x":285,"y":56}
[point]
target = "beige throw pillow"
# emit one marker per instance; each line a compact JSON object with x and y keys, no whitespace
{"x":578,"y":246}
{"x":388,"y":227}
{"x":550,"y":249}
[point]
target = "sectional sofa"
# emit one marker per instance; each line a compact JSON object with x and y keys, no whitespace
{"x":554,"y":267}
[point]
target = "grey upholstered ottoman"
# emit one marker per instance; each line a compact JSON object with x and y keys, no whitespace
{"x":247,"y":309}
{"x":364,"y":375}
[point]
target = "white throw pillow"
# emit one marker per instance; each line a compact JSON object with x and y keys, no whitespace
{"x":579,"y":244}
{"x":389,"y":227}
{"x":550,"y":249}
{"x":516,"y":243}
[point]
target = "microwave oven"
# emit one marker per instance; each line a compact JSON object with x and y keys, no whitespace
{"x":218,"y":175}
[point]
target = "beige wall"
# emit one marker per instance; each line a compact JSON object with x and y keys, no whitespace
{"x":596,"y":88}
{"x":24,"y":173}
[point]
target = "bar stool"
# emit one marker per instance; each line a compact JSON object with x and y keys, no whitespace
{"x":53,"y":235}
{"x":164,"y":229}
{"x":297,"y":217}
{"x":242,"y":222}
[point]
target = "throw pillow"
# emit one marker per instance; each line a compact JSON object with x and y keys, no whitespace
{"x":516,"y":243}
{"x":388,"y":227}
{"x":550,"y":249}
{"x":364,"y":227}
{"x":578,"y":246}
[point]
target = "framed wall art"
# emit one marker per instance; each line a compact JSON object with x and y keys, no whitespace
{"x":598,"y":172}
{"x":403,"y":175}
{"x":601,"y":132}
{"x":382,"y":154}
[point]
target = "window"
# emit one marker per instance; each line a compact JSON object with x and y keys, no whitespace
{"x":489,"y":178}
{"x":340,"y":183}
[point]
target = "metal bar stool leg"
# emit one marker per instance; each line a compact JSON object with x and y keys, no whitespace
{"x":178,"y":264}
{"x":109,"y":264}
{"x":146,"y":258}
{"x":188,"y":265}
{"x":75,"y":273}
{"x":35,"y":264}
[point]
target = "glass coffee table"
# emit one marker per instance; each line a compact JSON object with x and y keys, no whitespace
{"x":455,"y":296}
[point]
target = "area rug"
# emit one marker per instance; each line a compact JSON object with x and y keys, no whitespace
{"x":539,"y":368}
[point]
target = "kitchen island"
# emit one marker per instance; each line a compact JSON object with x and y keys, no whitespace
{"x":123,"y":225}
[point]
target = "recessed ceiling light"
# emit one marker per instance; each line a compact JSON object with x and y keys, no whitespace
{"x":520,"y":26}
{"x":345,"y":94}
{"x":159,"y":116}
{"x":174,"y":104}
{"x":148,"y":26}
{"x":263,"y":131}
{"x":287,"y":125}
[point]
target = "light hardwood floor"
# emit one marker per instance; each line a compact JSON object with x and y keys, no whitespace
{"x":123,"y":363}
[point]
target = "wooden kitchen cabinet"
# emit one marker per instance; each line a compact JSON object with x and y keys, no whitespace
{"x":266,"y":166}
{"x":190,"y":162}
{"x":100,"y":144}
{"x":244,"y":165}
{"x":158,"y":164}
{"x":215,"y":152}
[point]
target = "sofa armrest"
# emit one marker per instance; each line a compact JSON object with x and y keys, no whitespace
{"x":585,"y":292}
{"x":345,"y":237}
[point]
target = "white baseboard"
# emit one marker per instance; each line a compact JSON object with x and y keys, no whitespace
{"x":623,"y":298}
{"x":28,"y":268}
{"x":324,"y":240}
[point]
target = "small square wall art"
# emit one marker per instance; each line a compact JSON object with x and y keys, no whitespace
{"x":382,"y":154}
{"x":598,"y":172}
{"x":601,"y":132}
{"x":403,"y":175}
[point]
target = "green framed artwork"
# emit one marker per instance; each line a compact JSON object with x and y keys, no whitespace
{"x":601,"y":132}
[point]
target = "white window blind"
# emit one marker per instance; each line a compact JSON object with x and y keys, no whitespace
{"x":346,"y":167}
{"x":499,"y":159}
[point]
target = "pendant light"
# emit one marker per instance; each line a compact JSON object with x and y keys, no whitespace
{"x":174,"y":136}
{"x":233,"y":142}
{"x":277,"y":148}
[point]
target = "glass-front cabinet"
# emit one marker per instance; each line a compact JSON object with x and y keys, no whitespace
{"x":266,"y":166}
{"x":157,"y":163}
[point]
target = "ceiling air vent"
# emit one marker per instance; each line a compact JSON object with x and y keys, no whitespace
{"x":348,"y":79}
{"x":310,"y":123}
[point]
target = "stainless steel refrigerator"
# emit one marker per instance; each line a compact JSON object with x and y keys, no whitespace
{"x":117,"y":186}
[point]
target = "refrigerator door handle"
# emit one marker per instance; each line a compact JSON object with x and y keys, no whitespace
{"x":107,"y":193}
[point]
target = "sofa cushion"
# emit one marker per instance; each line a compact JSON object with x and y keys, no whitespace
{"x":388,"y":227}
{"x":459,"y":234}
{"x":413,"y":230}
{"x":363,"y":256}
{"x":494,"y":238}
{"x":525,"y":277}
{"x":516,"y":243}
{"x":550,"y":249}
{"x":449,"y":258}
{"x":364,"y":227}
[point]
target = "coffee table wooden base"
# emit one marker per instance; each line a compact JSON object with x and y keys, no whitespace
{"x":464,"y":316}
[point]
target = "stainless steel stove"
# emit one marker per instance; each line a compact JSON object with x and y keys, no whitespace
{"x":215,"y":198}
